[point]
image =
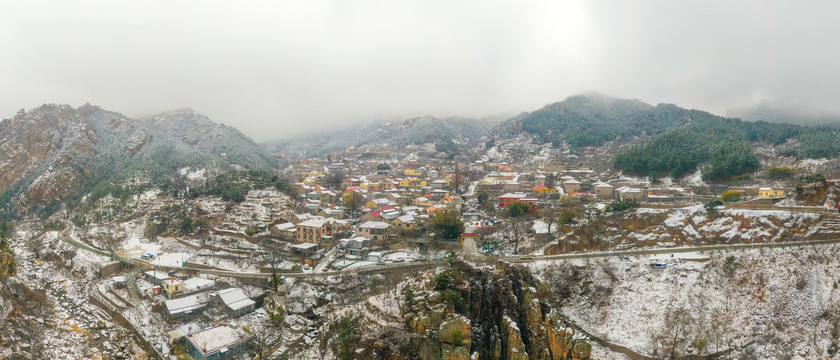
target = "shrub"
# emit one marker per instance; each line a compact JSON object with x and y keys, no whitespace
{"x":807,"y":179}
{"x":442,"y":281}
{"x":621,"y":205}
{"x":730,"y":196}
{"x":780,"y":172}
{"x":409,"y":297}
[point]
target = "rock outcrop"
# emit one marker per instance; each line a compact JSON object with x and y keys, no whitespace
{"x":490,"y":314}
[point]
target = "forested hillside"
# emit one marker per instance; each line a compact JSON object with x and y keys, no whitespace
{"x":592,"y":119}
{"x":679,"y":140}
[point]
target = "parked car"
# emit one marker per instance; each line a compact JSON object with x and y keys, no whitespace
{"x":399,"y":259}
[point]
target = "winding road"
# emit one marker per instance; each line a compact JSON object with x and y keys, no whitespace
{"x":470,"y":252}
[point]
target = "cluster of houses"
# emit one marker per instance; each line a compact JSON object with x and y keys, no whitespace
{"x":182,"y":298}
{"x":377,"y":203}
{"x":382,"y":208}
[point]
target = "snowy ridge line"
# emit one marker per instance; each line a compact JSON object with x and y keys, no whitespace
{"x":672,"y":250}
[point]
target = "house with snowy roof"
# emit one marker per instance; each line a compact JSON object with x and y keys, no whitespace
{"x":218,"y":343}
{"x":405,"y":222}
{"x":172,"y":287}
{"x":769,"y":192}
{"x":185,"y":307}
{"x":603,"y":190}
{"x":375,"y":230}
{"x":356,"y":247}
{"x":630,"y":193}
{"x":197,"y":284}
{"x":571,"y":186}
{"x":234,"y":301}
{"x":314,"y":229}
{"x":350,"y":182}
{"x":156,"y":277}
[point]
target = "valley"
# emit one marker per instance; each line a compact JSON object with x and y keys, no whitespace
{"x":555,"y":234}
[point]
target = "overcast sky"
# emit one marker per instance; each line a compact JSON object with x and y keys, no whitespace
{"x":277,"y":69}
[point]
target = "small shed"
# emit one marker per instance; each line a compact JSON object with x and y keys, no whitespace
{"x":185,"y":306}
{"x":234,"y":301}
{"x":156,"y":276}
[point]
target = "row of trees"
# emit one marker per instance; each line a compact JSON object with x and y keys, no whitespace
{"x":777,"y":173}
{"x":234,"y":185}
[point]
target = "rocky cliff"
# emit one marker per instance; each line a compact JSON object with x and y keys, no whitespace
{"x":466,"y":312}
{"x":56,"y":152}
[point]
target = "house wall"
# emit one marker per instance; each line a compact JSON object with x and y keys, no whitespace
{"x":604,"y":193}
{"x":309,"y":234}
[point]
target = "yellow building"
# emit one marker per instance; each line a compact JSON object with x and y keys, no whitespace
{"x":411,"y":172}
{"x":470,"y":236}
{"x":172,"y":287}
{"x":412,"y":183}
{"x":767,"y":192}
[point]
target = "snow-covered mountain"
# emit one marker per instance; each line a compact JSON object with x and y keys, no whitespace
{"x":54,"y":153}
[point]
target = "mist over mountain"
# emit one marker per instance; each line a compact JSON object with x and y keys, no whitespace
{"x":780,"y":113}
{"x":418,"y":130}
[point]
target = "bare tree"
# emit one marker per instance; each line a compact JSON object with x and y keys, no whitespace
{"x":35,"y":245}
{"x":518,"y":212}
{"x":518,"y":227}
{"x":457,"y":179}
{"x":273,"y":257}
{"x":675,"y":336}
{"x":550,"y":216}
{"x":112,"y":243}
{"x":353,"y":202}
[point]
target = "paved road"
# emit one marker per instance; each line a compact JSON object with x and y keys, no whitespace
{"x":374,"y":269}
{"x":370,"y":269}
{"x":641,"y":252}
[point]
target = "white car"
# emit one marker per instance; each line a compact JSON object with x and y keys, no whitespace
{"x":399,"y":259}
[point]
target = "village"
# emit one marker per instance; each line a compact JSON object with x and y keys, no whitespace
{"x":222,"y":293}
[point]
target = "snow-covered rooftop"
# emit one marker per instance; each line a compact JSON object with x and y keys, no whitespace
{"x":215,"y":339}
{"x":375,"y":225}
{"x":313,"y":223}
{"x":285,"y":226}
{"x":196,"y":283}
{"x":235,"y":298}
{"x":185,"y":304}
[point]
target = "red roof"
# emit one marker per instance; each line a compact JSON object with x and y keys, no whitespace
{"x":376,"y":214}
{"x":386,"y":207}
{"x":539,"y":188}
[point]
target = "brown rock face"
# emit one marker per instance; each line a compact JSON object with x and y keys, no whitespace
{"x":493,"y":314}
{"x":55,"y":152}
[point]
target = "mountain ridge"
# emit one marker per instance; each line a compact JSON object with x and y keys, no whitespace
{"x":54,"y":153}
{"x":415,"y":130}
